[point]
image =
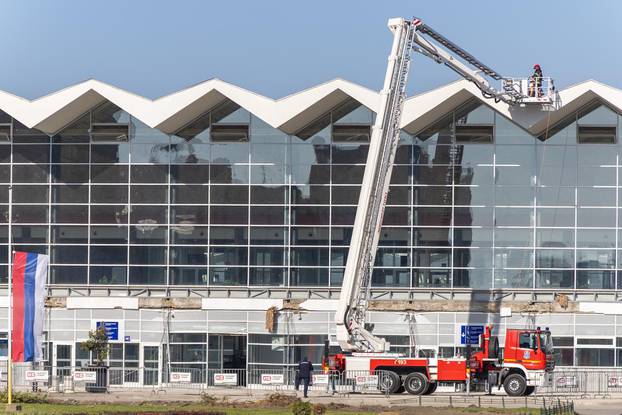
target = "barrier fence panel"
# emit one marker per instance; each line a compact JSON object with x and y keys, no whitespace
{"x":28,"y":377}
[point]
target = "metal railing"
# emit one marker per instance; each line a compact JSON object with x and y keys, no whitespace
{"x":66,"y":378}
{"x":566,"y":382}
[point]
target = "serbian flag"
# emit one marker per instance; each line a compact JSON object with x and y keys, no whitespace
{"x":29,"y":276}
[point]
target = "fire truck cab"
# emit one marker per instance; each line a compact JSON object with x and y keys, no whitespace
{"x":527,"y":363}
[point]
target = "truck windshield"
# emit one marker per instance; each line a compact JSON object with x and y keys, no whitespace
{"x":546,"y":342}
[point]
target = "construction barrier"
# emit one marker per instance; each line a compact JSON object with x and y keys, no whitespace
{"x":566,"y":382}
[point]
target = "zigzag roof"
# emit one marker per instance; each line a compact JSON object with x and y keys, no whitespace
{"x":169,"y":113}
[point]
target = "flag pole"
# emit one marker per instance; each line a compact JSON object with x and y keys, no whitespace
{"x":10,"y":278}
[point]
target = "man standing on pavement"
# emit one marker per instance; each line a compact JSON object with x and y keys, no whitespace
{"x":305,"y":371}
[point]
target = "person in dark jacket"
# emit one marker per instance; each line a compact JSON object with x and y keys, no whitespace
{"x":305,"y":371}
{"x":537,"y":80}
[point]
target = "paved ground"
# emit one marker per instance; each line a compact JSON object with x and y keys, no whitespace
{"x":598,"y":406}
{"x":356,"y":400}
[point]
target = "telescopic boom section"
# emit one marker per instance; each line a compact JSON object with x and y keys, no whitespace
{"x":352,"y":334}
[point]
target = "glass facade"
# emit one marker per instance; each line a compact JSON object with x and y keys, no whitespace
{"x":475,"y":201}
{"x":227,"y":201}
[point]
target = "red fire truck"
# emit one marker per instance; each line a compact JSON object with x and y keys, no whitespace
{"x":527,"y":362}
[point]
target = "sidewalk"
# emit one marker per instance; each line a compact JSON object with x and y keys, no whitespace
{"x":354,"y":399}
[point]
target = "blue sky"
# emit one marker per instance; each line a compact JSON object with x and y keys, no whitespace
{"x":275,"y":48}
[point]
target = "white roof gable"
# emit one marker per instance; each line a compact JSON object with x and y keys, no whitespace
{"x":169,"y":113}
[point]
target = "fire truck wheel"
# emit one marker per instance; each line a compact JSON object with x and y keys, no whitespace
{"x":431,"y":388}
{"x":529,"y":390}
{"x":390,"y":382}
{"x":416,"y":383}
{"x":515,"y":385}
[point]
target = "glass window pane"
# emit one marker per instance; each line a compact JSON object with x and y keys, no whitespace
{"x":554,"y":278}
{"x":195,"y":174}
{"x":30,"y":214}
{"x":555,"y":238}
{"x":110,"y":153}
{"x":30,"y":194}
{"x":555,"y":217}
{"x":219,"y":255}
{"x":228,"y":194}
{"x":192,"y":194}
{"x":61,"y":274}
{"x":431,"y":278}
{"x":189,"y":215}
{"x":108,"y":254}
{"x":68,"y":173}
{"x":268,"y":194}
{"x":267,"y":276}
{"x":69,"y":234}
{"x":70,"y":153}
{"x":229,"y":174}
{"x":109,"y":194}
{"x":149,"y":194}
{"x":473,"y":278}
{"x":228,"y":276}
{"x":195,"y":235}
{"x":555,"y":258}
{"x":188,"y":255}
{"x":70,"y":194}
{"x":109,"y":174}
{"x":596,"y":238}
{"x":387,"y":277}
{"x":228,"y":214}
{"x":148,"y":215}
{"x":309,"y":256}
{"x":30,"y":173}
{"x":268,"y":236}
{"x":148,"y":234}
{"x":31,"y":153}
{"x":267,"y":256}
{"x":313,"y":195}
{"x":595,"y":279}
{"x":113,"y":214}
{"x":69,"y":254}
{"x":188,"y":276}
{"x":228,"y":235}
{"x":513,"y":278}
{"x":268,"y":215}
{"x":309,"y":276}
{"x":109,"y":234}
{"x":307,"y":215}
{"x":108,"y":275}
{"x":147,"y":255}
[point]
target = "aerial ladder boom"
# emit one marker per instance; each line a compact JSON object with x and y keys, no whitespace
{"x":408,"y":35}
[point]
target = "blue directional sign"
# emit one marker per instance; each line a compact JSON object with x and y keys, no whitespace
{"x":111,"y":328}
{"x":470,"y":334}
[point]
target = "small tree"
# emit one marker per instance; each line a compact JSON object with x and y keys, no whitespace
{"x":97,"y":344}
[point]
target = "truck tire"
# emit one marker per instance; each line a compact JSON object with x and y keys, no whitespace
{"x":431,"y":388}
{"x":515,"y":385}
{"x":389,"y":382}
{"x":529,"y":390}
{"x":416,"y":383}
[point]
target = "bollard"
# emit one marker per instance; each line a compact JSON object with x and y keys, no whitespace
{"x":450,"y":402}
{"x":479,"y":401}
{"x":419,"y":400}
{"x":503,"y":402}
